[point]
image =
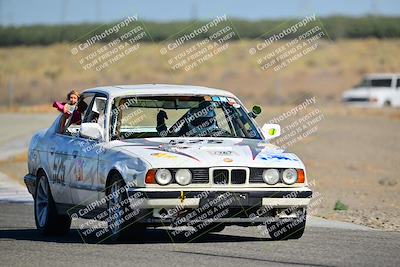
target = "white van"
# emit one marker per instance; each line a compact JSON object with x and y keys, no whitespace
{"x":375,"y":90}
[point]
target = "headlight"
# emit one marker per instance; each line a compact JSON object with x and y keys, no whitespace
{"x":163,"y":176}
{"x":289,"y":176}
{"x":271,"y":176}
{"x":183,"y":177}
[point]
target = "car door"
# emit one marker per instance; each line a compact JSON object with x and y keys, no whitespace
{"x":85,"y":183}
{"x":59,"y":160}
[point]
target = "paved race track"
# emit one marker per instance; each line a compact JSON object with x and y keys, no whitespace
{"x":328,"y":245}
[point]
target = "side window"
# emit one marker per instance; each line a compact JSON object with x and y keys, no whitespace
{"x":71,"y":124}
{"x":398,"y":83}
{"x":96,"y":111}
{"x":381,"y":83}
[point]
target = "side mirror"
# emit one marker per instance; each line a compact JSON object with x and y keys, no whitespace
{"x":271,"y":131}
{"x":255,"y":111}
{"x":91,"y":130}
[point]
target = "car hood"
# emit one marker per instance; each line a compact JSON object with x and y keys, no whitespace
{"x":209,"y":152}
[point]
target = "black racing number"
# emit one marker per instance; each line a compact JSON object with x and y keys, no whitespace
{"x":59,"y":169}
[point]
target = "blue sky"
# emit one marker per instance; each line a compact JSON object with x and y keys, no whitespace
{"x":26,"y":12}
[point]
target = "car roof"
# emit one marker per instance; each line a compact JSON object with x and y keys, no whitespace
{"x":381,"y":75}
{"x":158,"y":89}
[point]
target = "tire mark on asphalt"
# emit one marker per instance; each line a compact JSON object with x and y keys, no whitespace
{"x":252,"y":259}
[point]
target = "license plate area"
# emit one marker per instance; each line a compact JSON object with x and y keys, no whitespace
{"x":231,"y":199}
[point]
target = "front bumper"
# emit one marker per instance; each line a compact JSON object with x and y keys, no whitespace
{"x":30,"y":182}
{"x":193,"y":199}
{"x":234,"y":205}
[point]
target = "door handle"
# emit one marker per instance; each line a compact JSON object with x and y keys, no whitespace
{"x":52,"y":149}
{"x":75,"y":153}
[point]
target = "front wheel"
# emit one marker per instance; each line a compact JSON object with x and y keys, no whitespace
{"x":47,"y":220}
{"x":285,"y":229}
{"x":387,"y":103}
{"x":121,"y":220}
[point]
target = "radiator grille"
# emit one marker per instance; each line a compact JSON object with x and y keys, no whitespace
{"x":220,"y":176}
{"x":199,"y":175}
{"x":238,"y":176}
{"x":256,"y":175}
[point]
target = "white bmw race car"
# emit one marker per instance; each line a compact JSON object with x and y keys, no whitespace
{"x":165,"y":155}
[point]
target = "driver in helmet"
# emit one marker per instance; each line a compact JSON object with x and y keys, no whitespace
{"x":200,"y":121}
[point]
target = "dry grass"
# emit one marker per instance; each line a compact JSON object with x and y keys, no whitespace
{"x":42,"y":108}
{"x":42,"y":74}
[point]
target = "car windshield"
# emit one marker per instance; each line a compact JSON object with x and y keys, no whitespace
{"x":180,"y":116}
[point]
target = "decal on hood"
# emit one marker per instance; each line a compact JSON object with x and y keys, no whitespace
{"x":277,"y":157}
{"x":165,"y":149}
{"x":254,"y":150}
{"x":163,"y":155}
{"x":175,"y":146}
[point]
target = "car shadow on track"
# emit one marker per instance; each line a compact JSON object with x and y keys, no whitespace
{"x":149,"y":236}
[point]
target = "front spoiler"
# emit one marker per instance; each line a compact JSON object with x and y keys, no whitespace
{"x":30,"y":182}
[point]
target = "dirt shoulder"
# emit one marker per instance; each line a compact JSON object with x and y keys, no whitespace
{"x":353,"y":157}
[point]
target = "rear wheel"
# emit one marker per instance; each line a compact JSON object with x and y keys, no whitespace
{"x":46,"y":218}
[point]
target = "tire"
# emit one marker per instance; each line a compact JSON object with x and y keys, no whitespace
{"x":48,"y":222}
{"x":287,"y":229}
{"x":118,"y":227}
{"x":387,"y":104}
